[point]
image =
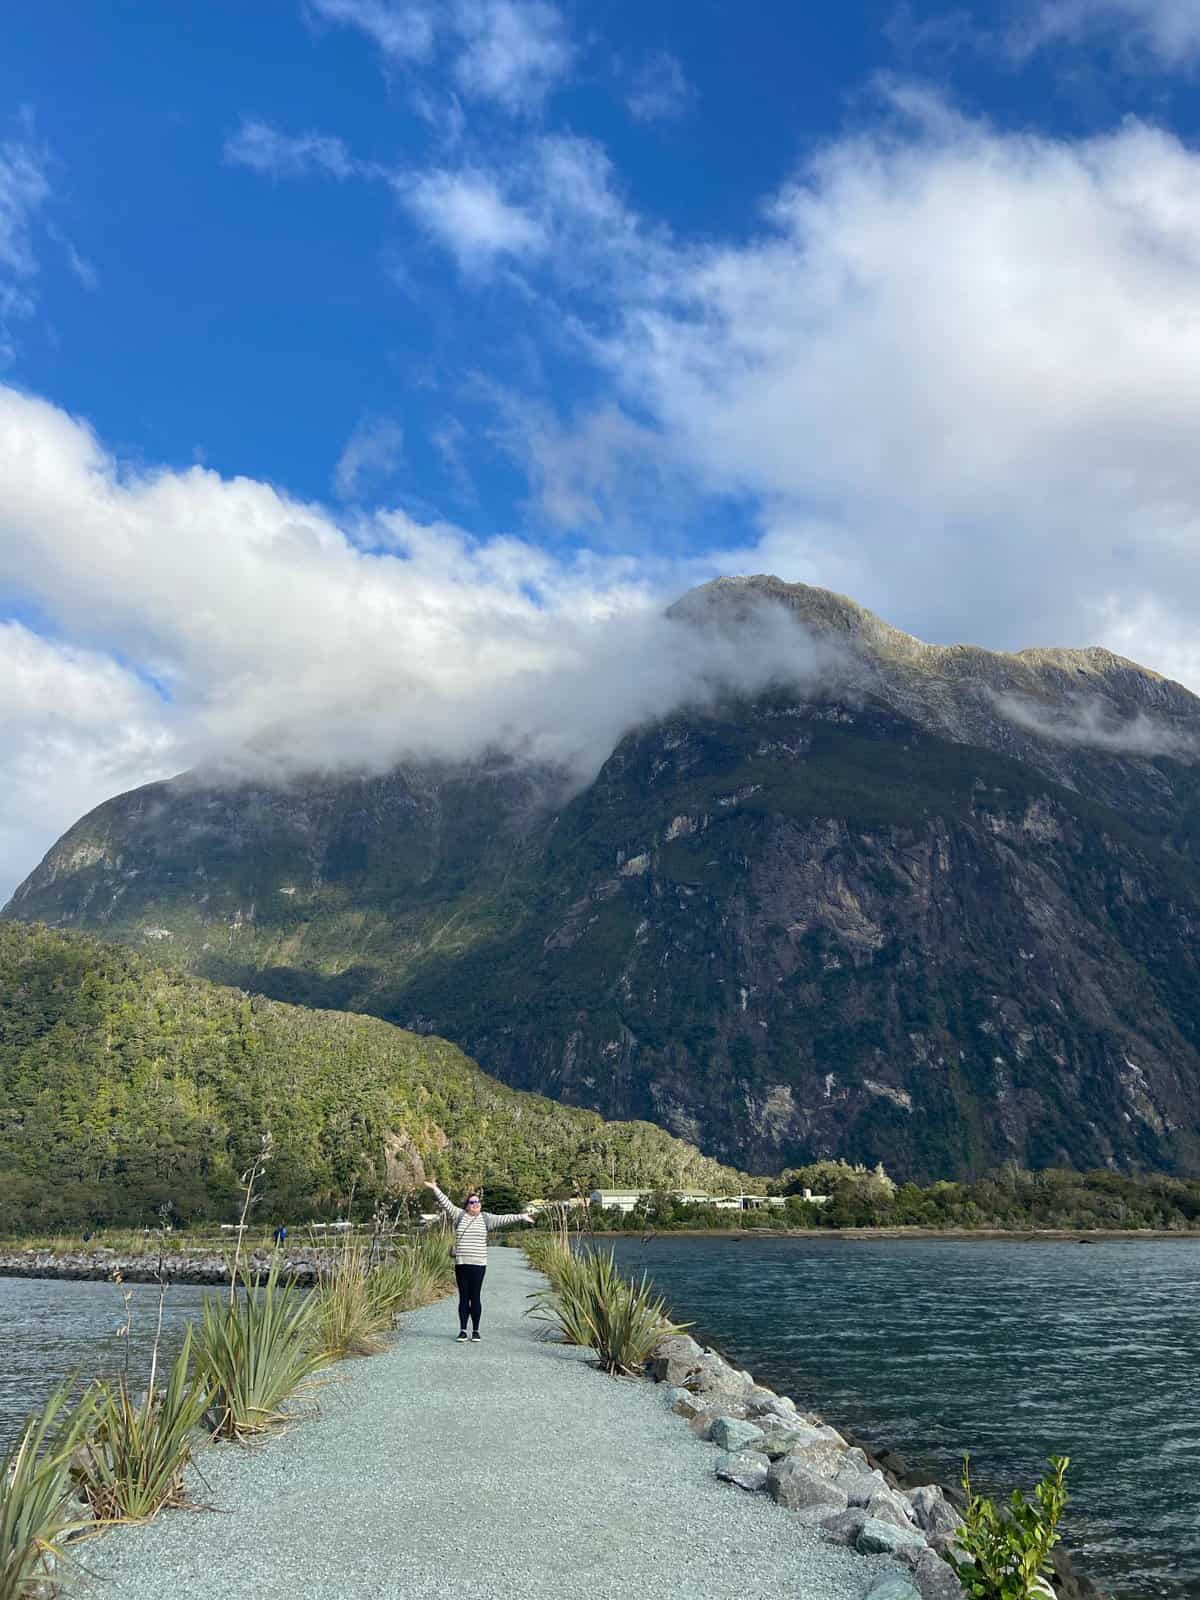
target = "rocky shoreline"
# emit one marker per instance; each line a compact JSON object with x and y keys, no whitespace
{"x":870,"y":1501}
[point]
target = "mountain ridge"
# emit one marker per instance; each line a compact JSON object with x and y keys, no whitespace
{"x":747,"y":902}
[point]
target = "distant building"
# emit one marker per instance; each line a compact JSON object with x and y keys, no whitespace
{"x":626,"y":1199}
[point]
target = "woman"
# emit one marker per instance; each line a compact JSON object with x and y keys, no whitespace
{"x":471,"y":1226}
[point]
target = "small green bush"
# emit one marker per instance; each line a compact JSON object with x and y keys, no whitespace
{"x":131,"y":1464}
{"x":1006,"y":1549}
{"x":37,"y":1512}
{"x":349,"y":1320}
{"x":254,"y":1352}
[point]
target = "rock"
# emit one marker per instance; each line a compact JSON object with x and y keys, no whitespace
{"x":832,"y":1435}
{"x":844,"y":1527}
{"x":791,"y":1484}
{"x":733,"y":1433}
{"x":821,"y":1457}
{"x":713,"y":1375}
{"x":778,"y":1441}
{"x":859,"y":1487}
{"x":932,"y":1576}
{"x":892,"y":1586}
{"x":878,"y":1538}
{"x":746,"y":1468}
{"x":686,"y":1404}
{"x":673,"y":1359}
{"x":886,"y":1505}
{"x":934,"y":1514}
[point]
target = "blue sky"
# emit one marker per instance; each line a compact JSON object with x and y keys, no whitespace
{"x":480,"y":324}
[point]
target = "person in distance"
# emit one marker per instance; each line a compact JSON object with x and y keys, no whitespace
{"x":471,"y":1224}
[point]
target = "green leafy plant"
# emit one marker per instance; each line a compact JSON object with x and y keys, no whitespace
{"x":1005,"y":1550}
{"x":37,"y":1512}
{"x":131,"y":1464}
{"x":256,"y":1352}
{"x":592,"y":1304}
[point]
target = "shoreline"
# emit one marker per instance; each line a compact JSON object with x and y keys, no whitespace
{"x":955,"y":1235}
{"x":210,"y":1268}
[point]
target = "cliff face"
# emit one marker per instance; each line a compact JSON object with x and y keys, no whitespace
{"x":939,"y":912}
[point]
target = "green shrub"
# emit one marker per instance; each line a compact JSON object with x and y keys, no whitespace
{"x":131,"y":1464}
{"x":37,"y":1512}
{"x":254,"y":1352}
{"x":592,"y":1304}
{"x":1006,"y":1550}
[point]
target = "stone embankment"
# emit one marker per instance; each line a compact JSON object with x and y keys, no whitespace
{"x":870,"y":1503}
{"x":175,"y":1266}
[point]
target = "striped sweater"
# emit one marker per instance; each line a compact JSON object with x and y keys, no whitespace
{"x":470,"y":1233}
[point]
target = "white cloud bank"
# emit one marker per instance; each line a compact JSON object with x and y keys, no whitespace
{"x":262,"y":633}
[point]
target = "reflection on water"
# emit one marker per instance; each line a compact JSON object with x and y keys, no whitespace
{"x":1014,"y":1351}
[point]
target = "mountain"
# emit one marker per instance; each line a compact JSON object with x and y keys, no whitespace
{"x":124,"y":1087}
{"x":935,"y":906}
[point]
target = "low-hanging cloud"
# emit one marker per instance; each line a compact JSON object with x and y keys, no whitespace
{"x":1089,"y":722}
{"x":217,"y":623}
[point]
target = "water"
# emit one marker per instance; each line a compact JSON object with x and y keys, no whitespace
{"x":1014,"y":1351}
{"x":49,"y":1329}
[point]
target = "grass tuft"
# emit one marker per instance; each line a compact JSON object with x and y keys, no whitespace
{"x":37,"y":1512}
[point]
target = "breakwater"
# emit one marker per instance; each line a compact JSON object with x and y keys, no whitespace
{"x":204,"y":1267}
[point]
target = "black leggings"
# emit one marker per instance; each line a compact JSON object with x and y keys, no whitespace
{"x":470,"y":1282}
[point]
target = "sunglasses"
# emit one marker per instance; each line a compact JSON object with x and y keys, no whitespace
{"x":474,"y":1202}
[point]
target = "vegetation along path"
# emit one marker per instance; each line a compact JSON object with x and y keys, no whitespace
{"x":508,"y":1470}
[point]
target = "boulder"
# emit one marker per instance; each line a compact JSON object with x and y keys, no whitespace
{"x":878,"y":1538}
{"x":778,"y":1406}
{"x":686,"y":1404}
{"x":893,"y":1586}
{"x":779,"y":1441}
{"x":935,"y":1516}
{"x":930,"y":1573}
{"x":859,"y":1487}
{"x":889,"y":1505}
{"x":791,"y":1484}
{"x":673,"y":1359}
{"x":844,"y":1527}
{"x":733,"y":1433}
{"x":713,"y":1375}
{"x":832,"y":1435}
{"x":820,"y":1457}
{"x":745,"y":1468}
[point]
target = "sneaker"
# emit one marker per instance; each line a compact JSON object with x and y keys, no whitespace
{"x":462,"y":1336}
{"x":476,"y":1338}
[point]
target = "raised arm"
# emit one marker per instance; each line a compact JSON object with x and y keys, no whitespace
{"x":501,"y":1219}
{"x":447,"y":1205}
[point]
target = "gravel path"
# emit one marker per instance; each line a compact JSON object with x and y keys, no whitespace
{"x":507,"y":1470}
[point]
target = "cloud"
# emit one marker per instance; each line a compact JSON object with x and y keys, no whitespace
{"x":371,"y":454}
{"x":1168,"y":29}
{"x":403,"y":29}
{"x":1091,"y":722}
{"x":216,"y":621}
{"x":24,"y":191}
{"x":514,"y":52}
{"x":263,"y":148}
{"x":466,"y":212}
{"x":660,"y":92}
{"x":957,"y":372}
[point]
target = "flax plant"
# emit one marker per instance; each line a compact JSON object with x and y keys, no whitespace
{"x":132,"y":1463}
{"x":256,"y":1352}
{"x":349,"y":1320}
{"x":37,"y":1512}
{"x":591,"y":1304}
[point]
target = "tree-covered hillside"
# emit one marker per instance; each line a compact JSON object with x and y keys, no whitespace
{"x":124,"y":1087}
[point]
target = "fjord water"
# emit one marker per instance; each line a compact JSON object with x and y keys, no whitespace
{"x":51,"y":1329}
{"x":1012,"y":1350}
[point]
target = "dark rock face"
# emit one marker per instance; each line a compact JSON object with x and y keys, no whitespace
{"x":939,"y":909}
